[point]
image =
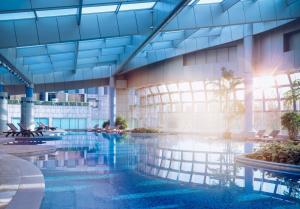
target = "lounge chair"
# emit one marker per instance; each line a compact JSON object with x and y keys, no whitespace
{"x":42,"y":126}
{"x":260,"y":133}
{"x":94,"y":129}
{"x":28,"y":132}
{"x":13,"y":130}
{"x":272,"y":135}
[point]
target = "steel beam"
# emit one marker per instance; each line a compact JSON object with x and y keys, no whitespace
{"x":177,"y":8}
{"x":226,"y":4}
{"x":14,"y":71}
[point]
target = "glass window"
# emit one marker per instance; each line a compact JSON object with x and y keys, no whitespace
{"x":186,"y":97}
{"x":175,"y":97}
{"x":282,"y":79}
{"x":165,"y":98}
{"x":208,"y":1}
{"x":270,"y":93}
{"x":212,"y":96}
{"x":56,"y":12}
{"x":187,"y":107}
{"x":142,"y":92}
{"x":176,"y":107}
{"x":285,"y":106}
{"x":154,"y":90}
{"x":295,"y":76}
{"x":263,"y":82}
{"x":184,"y":86}
{"x":163,"y":89}
{"x":157,"y":99}
{"x":56,"y":122}
{"x":137,"y":6}
{"x":258,"y":106}
{"x":172,"y":87}
{"x":271,"y":105}
{"x":213,"y":107}
{"x":282,"y":91}
{"x":15,"y":121}
{"x":45,"y":121}
{"x":17,"y":16}
{"x":82,"y":123}
{"x":99,"y":9}
{"x":212,"y":85}
{"x":65,"y":123}
{"x":150,"y":99}
{"x":197,"y":85}
{"x":73,"y":123}
{"x":258,"y":94}
{"x":147,"y":91}
{"x":199,"y":96}
{"x":240,"y":94}
{"x":200,"y":107}
{"x":167,"y":108}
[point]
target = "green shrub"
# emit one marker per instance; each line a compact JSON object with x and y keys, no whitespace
{"x":121,"y":123}
{"x":291,"y":121}
{"x":144,"y":130}
{"x":279,"y":152}
{"x":105,"y":124}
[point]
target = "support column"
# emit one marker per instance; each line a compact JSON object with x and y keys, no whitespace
{"x":248,"y":77}
{"x":27,"y":104}
{"x":3,"y":109}
{"x":112,"y":101}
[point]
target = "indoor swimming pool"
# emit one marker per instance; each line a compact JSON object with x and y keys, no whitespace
{"x":91,"y":171}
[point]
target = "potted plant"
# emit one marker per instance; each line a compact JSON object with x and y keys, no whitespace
{"x":231,"y":108}
{"x":106,"y":124}
{"x":291,"y":121}
{"x":121,"y":123}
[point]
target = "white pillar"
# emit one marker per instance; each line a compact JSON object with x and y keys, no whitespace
{"x":46,"y":96}
{"x":27,"y":104}
{"x":248,"y":76}
{"x":112,"y":101}
{"x":3,"y":111}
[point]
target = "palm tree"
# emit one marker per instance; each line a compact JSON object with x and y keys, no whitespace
{"x":231,"y":108}
{"x":293,"y":95}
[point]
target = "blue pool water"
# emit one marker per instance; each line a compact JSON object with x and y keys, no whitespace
{"x":109,"y":171}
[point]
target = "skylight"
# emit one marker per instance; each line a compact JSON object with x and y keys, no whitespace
{"x":56,"y":12}
{"x":208,"y":1}
{"x":137,"y":6}
{"x":192,"y":2}
{"x":17,"y":16}
{"x":99,"y":9}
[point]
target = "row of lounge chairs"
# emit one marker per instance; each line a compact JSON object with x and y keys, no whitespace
{"x":106,"y":130}
{"x":23,"y":131}
{"x":260,"y":135}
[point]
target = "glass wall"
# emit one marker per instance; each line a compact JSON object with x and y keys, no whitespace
{"x":196,"y":105}
{"x":45,"y":121}
{"x":69,"y":123}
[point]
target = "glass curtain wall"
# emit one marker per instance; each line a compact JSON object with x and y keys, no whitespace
{"x":196,"y":106}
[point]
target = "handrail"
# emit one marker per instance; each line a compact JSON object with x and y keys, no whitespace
{"x":50,"y":103}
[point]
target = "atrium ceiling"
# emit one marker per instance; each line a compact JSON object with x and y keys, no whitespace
{"x":58,"y":41}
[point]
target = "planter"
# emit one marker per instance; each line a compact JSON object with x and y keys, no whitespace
{"x":266,"y":165}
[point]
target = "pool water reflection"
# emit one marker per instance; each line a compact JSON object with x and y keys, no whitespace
{"x":109,"y":171}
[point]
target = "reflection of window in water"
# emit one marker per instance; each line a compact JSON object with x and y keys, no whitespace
{"x":213,"y":169}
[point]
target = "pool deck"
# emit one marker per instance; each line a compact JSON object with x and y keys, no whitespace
{"x":4,"y":140}
{"x":26,"y":150}
{"x":21,"y":183}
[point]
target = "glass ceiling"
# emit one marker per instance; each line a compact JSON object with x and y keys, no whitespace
{"x":74,"y":11}
{"x":204,"y":2}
